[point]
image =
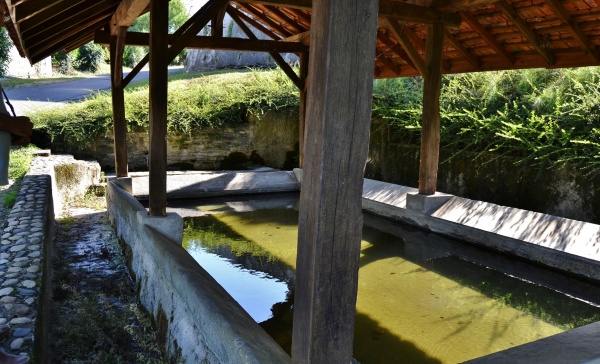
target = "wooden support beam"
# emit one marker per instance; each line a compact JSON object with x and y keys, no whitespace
{"x":200,"y":19}
{"x":395,"y":48}
{"x":208,"y":42}
{"x":410,"y":49}
{"x":430,"y":134}
{"x":285,"y":67}
{"x":529,"y":34}
{"x":261,"y":28}
{"x":487,"y":37}
{"x":559,"y":10}
{"x":159,"y":62}
{"x":338,"y":119}
{"x":118,"y":103}
{"x":304,"y":56}
{"x":216,"y":23}
{"x":461,"y":49}
{"x":138,"y":67}
{"x":126,"y":13}
{"x":303,"y":38}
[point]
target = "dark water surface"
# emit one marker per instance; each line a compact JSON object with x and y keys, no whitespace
{"x":419,"y":299}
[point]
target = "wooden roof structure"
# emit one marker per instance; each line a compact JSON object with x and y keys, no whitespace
{"x":343,"y":45}
{"x":481,"y":35}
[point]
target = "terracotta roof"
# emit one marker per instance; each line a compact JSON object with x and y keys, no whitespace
{"x":480,"y":35}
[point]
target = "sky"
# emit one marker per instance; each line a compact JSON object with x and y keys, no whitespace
{"x":193,"y":5}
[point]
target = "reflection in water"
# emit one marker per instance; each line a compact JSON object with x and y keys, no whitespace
{"x":255,"y":291}
{"x":416,"y":303}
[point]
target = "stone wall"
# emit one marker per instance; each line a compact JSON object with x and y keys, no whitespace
{"x":270,"y":140}
{"x":562,"y":192}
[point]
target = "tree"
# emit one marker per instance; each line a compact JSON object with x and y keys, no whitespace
{"x":5,"y":45}
{"x":177,"y":16}
{"x":90,"y":57}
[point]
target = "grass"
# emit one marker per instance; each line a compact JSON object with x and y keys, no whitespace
{"x":194,"y":103}
{"x":20,"y":161}
{"x":542,"y":118}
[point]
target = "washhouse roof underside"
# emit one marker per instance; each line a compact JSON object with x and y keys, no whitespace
{"x":480,"y":35}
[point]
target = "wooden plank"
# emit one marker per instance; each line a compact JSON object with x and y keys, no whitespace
{"x":286,"y":68}
{"x":459,"y":5}
{"x":159,"y":62}
{"x":126,"y":14}
{"x":338,"y":116}
{"x":579,"y":35}
{"x":208,"y":42}
{"x":304,"y":57}
{"x":487,"y":37}
{"x":118,"y":103}
{"x":254,"y":23}
{"x":430,"y":134}
{"x":461,"y":49}
{"x":529,"y":34}
{"x":410,"y":49}
{"x":202,"y":17}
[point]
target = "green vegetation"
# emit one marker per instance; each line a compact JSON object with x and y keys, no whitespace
{"x":20,"y":160}
{"x":544,"y":117}
{"x":5,"y":44}
{"x":194,"y":103}
{"x":547,"y":118}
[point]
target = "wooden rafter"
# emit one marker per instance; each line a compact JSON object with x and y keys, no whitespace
{"x":259,"y":26}
{"x":77,"y":32}
{"x":396,"y":48}
{"x":276,"y":56}
{"x":280,"y":15}
{"x":410,"y":49}
{"x":60,"y":30}
{"x":444,"y":5}
{"x":529,"y":34}
{"x":52,"y":15}
{"x":485,"y":35}
{"x":277,"y":27}
{"x":578,"y":34}
{"x":461,"y":49}
{"x":417,"y":14}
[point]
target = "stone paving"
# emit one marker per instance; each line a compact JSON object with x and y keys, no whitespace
{"x":21,"y":257}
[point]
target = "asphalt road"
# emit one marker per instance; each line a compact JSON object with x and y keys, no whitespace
{"x":28,"y":99}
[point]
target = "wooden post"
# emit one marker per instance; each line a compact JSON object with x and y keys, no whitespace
{"x":159,"y":61}
{"x":430,"y":134}
{"x":118,"y":103}
{"x":338,"y":117}
{"x":303,"y":81}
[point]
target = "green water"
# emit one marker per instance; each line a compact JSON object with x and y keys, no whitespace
{"x":415,"y":304}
